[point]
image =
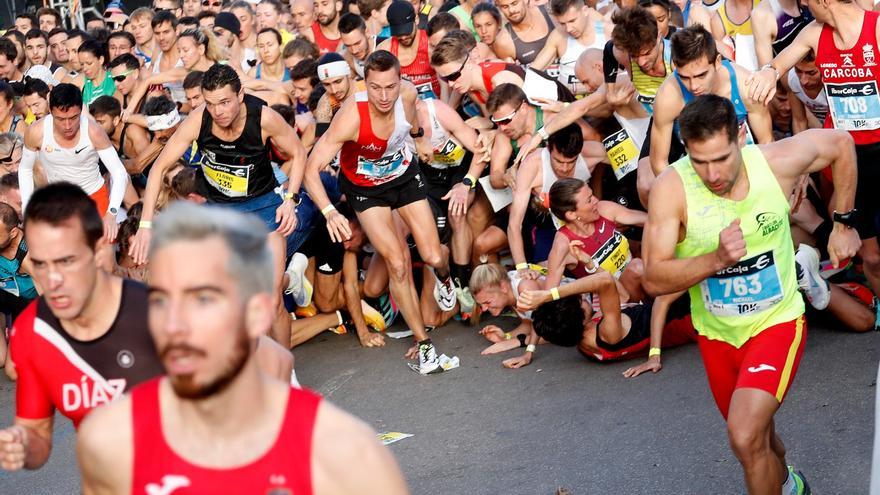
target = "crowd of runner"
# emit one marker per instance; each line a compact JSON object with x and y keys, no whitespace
{"x":621,"y":177}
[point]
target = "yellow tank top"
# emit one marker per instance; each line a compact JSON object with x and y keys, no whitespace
{"x":647,"y":85}
{"x":732,"y":29}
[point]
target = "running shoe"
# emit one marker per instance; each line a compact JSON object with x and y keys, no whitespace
{"x":800,"y":487}
{"x":372,"y":318}
{"x":388,"y":308}
{"x":298,"y":285}
{"x":444,"y":292}
{"x":428,"y":361}
{"x":465,"y":301}
{"x":814,"y":287}
{"x":306,"y":311}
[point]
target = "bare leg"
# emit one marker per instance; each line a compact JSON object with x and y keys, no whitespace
{"x":304,"y":329}
{"x":281,"y":325}
{"x":430,"y":311}
{"x":479,"y":216}
{"x":421,"y":224}
{"x":870,"y":254}
{"x":851,"y":312}
{"x":492,"y":240}
{"x":750,"y":430}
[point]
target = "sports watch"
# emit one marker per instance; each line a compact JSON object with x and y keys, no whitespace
{"x":849,"y":218}
{"x":417,"y":134}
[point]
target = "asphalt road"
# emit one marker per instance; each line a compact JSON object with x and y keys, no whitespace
{"x":563,"y":421}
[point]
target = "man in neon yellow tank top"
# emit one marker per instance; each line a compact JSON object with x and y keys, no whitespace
{"x":718,"y":226}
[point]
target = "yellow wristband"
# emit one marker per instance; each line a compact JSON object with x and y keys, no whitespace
{"x":554,"y":293}
{"x":655,"y":351}
{"x":530,"y":348}
{"x":145,"y":224}
{"x":522,"y":266}
{"x":507,"y":336}
{"x":327,"y":209}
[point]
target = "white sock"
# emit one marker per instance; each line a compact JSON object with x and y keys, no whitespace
{"x":293,"y":381}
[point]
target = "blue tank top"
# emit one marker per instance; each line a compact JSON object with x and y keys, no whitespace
{"x":742,"y":115}
{"x":14,"y":282}
{"x":285,"y":77}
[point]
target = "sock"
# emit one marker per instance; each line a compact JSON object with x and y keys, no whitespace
{"x":293,"y":380}
{"x":460,"y":274}
{"x":425,"y":342}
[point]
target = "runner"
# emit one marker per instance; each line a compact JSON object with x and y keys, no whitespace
{"x":167,"y":56}
{"x":718,"y":226}
{"x":258,"y":432}
{"x":85,"y":341}
{"x":358,"y":45}
{"x":775,"y":24}
{"x":410,"y":45}
{"x":380,"y":175}
{"x":806,"y":95}
{"x":525,"y":20}
{"x":142,"y":31}
{"x":335,"y":76}
{"x":490,"y":28}
{"x":69,"y":145}
{"x":17,"y":287}
{"x":324,"y":31}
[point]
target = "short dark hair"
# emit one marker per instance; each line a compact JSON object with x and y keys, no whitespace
{"x":444,"y":21}
{"x":95,"y":47}
{"x":59,"y":202}
{"x":58,"y":30}
{"x":560,"y":322}
{"x":505,"y":93}
{"x":7,"y":91}
{"x":348,"y":22}
{"x":705,"y":116}
{"x":78,"y":33}
{"x":381,"y":61}
{"x":36,"y":86}
{"x":286,"y":112}
{"x":489,"y":8}
{"x":314,"y":97}
{"x":30,"y":17}
{"x":65,"y":96}
{"x":162,"y":17}
{"x":36,"y":33}
{"x":106,"y":105}
{"x":50,"y":11}
{"x":189,"y":20}
{"x":691,"y":44}
{"x":562,"y":196}
{"x":8,"y":216}
{"x":9,"y":181}
{"x":193,"y":80}
{"x":559,"y":7}
{"x":158,"y":105}
{"x":634,"y":29}
{"x":300,"y":46}
{"x":123,"y":34}
{"x":128,"y":60}
{"x":99,"y":34}
{"x":449,"y":50}
{"x":664,"y":4}
{"x":8,"y":49}
{"x":568,"y":141}
{"x":205,"y":14}
{"x":273,"y":31}
{"x":184,"y":183}
{"x":306,"y":69}
{"x":220,"y":75}
{"x":465,"y":37}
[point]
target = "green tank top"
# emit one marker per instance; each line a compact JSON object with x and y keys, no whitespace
{"x":91,"y":92}
{"x":761,"y":290}
{"x":539,"y":123}
{"x":647,"y":85}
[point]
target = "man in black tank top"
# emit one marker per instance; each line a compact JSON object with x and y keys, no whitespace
{"x":524,"y":18}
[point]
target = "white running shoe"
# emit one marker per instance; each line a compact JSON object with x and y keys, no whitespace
{"x":814,"y":287}
{"x":444,"y":293}
{"x":298,"y":285}
{"x":428,"y":360}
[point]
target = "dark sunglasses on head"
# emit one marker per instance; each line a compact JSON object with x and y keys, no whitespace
{"x":452,"y":77}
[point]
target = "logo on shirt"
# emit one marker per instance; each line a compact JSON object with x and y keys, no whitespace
{"x":768,"y":222}
{"x":847,"y":60}
{"x":125,"y":359}
{"x":49,"y":149}
{"x":81,"y":149}
{"x":169,"y":484}
{"x":868,"y":55}
{"x":371,"y":147}
{"x":88,"y":394}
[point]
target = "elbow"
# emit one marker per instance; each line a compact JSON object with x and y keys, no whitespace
{"x":649,"y":283}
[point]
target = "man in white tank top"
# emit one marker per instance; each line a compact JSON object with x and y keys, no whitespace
{"x":806,"y":95}
{"x":69,"y":145}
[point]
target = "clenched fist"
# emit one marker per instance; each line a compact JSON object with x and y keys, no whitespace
{"x":731,"y":244}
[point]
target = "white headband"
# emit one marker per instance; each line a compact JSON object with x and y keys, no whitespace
{"x":164,"y":121}
{"x":330,"y":70}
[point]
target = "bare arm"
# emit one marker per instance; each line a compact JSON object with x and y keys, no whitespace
{"x":104,"y":449}
{"x":622,"y":215}
{"x":525,"y":178}
{"x":556,"y":260}
{"x":33,"y":140}
{"x":286,"y":140}
{"x":549,"y":53}
{"x":762,"y":85}
{"x":764,"y":30}
{"x":667,"y":106}
{"x":799,"y":122}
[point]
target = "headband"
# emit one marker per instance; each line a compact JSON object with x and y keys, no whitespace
{"x":330,"y":70}
{"x":164,"y":121}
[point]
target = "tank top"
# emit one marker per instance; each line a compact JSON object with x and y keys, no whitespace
{"x":548,"y":177}
{"x":647,"y":85}
{"x":325,"y":44}
{"x":259,"y":73}
{"x":788,"y":27}
{"x":526,"y":51}
{"x":759,"y":291}
{"x":419,"y":72}
{"x":370,"y":160}
{"x":818,"y":106}
{"x":573,"y":51}
{"x":235,"y":171}
{"x":91,"y":92}
{"x":286,"y":468}
{"x":607,"y":246}
{"x":77,"y":165}
{"x":731,"y":28}
{"x":539,"y":123}
{"x":448,"y":151}
{"x":488,"y":70}
{"x":178,"y":95}
{"x":850,"y":79}
{"x":742,"y":115}
{"x":12,"y":280}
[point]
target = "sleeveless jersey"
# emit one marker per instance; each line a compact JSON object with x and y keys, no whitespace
{"x":12,"y":280}
{"x":548,"y":177}
{"x":624,"y":144}
{"x":607,"y":246}
{"x":573,"y":51}
{"x":818,"y":106}
{"x":647,"y":85}
{"x":57,"y":371}
{"x":788,"y":27}
{"x":370,"y":160}
{"x":761,"y":289}
{"x":448,"y":151}
{"x":286,"y":468}
{"x":259,"y":73}
{"x":235,"y":171}
{"x":419,"y":72}
{"x":488,"y":70}
{"x":178,"y":95}
{"x":526,"y":51}
{"x":742,"y":114}
{"x":90,"y":92}
{"x":733,"y":29}
{"x":77,"y":165}
{"x":850,"y":77}
{"x":325,"y":44}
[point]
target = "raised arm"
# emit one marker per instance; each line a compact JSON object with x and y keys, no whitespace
{"x":667,"y":106}
{"x":622,"y":215}
{"x":549,"y":52}
{"x":764,"y":29}
{"x":762,"y":84}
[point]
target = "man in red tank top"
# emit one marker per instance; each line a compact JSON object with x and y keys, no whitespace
{"x":844,"y":39}
{"x":216,"y":423}
{"x":410,"y":45}
{"x":325,"y":32}
{"x":454,"y":65}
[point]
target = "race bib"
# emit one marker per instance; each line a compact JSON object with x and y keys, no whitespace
{"x":749,"y":286}
{"x":450,"y":154}
{"x":383,"y":167}
{"x":622,"y":153}
{"x":10,"y":285}
{"x":426,"y":91}
{"x":614,"y":255}
{"x":231,"y":180}
{"x":854,"y":106}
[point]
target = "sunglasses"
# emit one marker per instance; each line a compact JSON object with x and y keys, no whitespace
{"x":207,"y":3}
{"x":504,"y":120}
{"x":453,"y":76}
{"x":8,"y":159}
{"x":160,"y":9}
{"x":121,"y":77}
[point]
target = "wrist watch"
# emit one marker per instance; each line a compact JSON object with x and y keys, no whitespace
{"x":294,"y":196}
{"x":417,"y":134}
{"x":468,"y":182}
{"x":113,"y":211}
{"x":849,"y":218}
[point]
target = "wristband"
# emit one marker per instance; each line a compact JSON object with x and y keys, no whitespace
{"x":655,"y":351}
{"x":145,"y":224}
{"x":522,"y":266}
{"x":506,"y":335}
{"x":554,"y":293}
{"x":770,"y":66}
{"x":327,"y":209}
{"x":530,"y":348}
{"x":543,"y":133}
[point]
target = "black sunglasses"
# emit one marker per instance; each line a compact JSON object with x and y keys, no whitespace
{"x":452,"y":77}
{"x":121,"y":77}
{"x":160,"y":9}
{"x":207,"y":3}
{"x":8,"y":159}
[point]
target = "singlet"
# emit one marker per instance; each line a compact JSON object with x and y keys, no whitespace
{"x":371,"y":160}
{"x":647,"y":85}
{"x":742,"y":114}
{"x":77,"y":165}
{"x":141,"y":55}
{"x":12,"y":280}
{"x":548,"y":177}
{"x":731,"y":28}
{"x":90,"y":92}
{"x":448,"y":151}
{"x":526,"y":51}
{"x":539,"y":123}
{"x":488,"y":71}
{"x":178,"y":95}
{"x":325,"y":44}
{"x":16,"y":118}
{"x":818,"y":106}
{"x":850,"y":79}
{"x":259,"y":73}
{"x":788,"y":27}
{"x":460,"y":14}
{"x":419,"y":72}
{"x":624,"y":144}
{"x":573,"y":51}
{"x":57,"y":371}
{"x":607,"y":246}
{"x":286,"y":468}
{"x":235,"y":171}
{"x":759,"y":291}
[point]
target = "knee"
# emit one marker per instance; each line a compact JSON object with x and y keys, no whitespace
{"x":325,"y":305}
{"x":433,"y":258}
{"x":871,"y":260}
{"x":746,"y":440}
{"x":397,"y":267}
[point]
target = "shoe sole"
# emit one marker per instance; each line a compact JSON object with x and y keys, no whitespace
{"x":415,"y":367}
{"x":807,"y":490}
{"x":810,"y":266}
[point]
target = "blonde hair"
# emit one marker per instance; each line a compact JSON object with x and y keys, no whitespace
{"x":205,"y":37}
{"x":487,"y":275}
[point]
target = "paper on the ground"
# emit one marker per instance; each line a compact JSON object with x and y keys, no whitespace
{"x":392,"y":436}
{"x":499,"y":198}
{"x":536,"y":86}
